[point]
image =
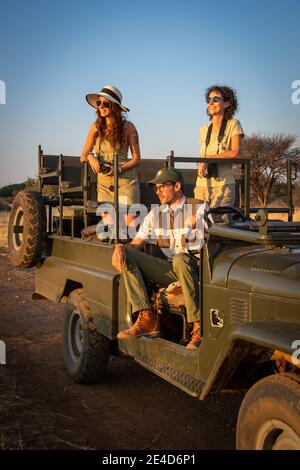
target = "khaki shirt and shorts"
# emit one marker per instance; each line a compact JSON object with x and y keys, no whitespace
{"x":218,"y":191}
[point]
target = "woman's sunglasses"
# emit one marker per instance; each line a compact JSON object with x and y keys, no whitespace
{"x":102,"y":104}
{"x":215,"y":99}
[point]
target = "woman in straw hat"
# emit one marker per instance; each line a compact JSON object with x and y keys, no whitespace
{"x":109,"y":135}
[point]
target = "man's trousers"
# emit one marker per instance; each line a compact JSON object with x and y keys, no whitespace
{"x":182,"y":268}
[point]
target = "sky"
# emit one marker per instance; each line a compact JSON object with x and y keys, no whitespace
{"x":161,"y":54}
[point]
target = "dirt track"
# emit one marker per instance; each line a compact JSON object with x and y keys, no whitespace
{"x":41,"y":408}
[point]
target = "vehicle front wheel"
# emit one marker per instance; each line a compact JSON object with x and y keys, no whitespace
{"x":269,"y":417}
{"x":85,"y":349}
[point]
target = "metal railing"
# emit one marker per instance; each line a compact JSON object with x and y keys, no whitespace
{"x":291,"y":167}
{"x":171,"y":160}
{"x":245,"y":202}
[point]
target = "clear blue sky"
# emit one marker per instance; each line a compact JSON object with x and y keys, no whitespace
{"x":161,"y":54}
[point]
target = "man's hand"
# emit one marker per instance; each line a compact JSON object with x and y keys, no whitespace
{"x":119,"y":257}
{"x":202,"y":170}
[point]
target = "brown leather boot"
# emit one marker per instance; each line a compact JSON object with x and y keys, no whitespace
{"x":146,"y":324}
{"x":195,"y":338}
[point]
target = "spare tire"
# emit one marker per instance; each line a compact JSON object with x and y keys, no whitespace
{"x":26,"y":228}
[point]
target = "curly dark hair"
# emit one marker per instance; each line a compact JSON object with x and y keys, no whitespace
{"x":115,"y":133}
{"x":228,"y":94}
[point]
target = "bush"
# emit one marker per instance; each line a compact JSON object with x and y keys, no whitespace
{"x":4,"y":205}
{"x":11,"y":189}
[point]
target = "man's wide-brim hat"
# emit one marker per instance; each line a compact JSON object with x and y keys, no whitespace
{"x":109,"y":92}
{"x":167,"y":175}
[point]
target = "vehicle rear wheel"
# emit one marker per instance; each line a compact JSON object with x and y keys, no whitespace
{"x":269,"y":417}
{"x":85,"y":349}
{"x":26,"y":229}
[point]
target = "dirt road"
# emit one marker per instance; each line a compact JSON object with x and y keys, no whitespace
{"x":41,"y":408}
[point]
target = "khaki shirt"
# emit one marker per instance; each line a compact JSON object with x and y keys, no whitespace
{"x":224,"y":170}
{"x":150,"y":229}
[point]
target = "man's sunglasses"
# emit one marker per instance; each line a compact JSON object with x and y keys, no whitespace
{"x":215,"y":99}
{"x":161,"y":187}
{"x":102,"y":104}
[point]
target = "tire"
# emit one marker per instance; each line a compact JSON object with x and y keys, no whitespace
{"x":85,"y":349}
{"x":26,"y":229}
{"x":269,"y":417}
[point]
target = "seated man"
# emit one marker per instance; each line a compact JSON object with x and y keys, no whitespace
{"x":177,"y":241}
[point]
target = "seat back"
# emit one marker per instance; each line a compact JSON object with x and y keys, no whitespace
{"x":72,"y":171}
{"x":92,"y":185}
{"x":189,"y":179}
{"x":147,"y":171}
{"x":47,"y":165}
{"x":63,"y":170}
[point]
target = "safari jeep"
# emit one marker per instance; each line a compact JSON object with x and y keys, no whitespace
{"x":249,"y":279}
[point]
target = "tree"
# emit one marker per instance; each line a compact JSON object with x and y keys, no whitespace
{"x":268,"y":157}
{"x":11,"y":189}
{"x":32,"y":183}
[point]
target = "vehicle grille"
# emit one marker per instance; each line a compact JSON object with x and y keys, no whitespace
{"x":238,"y":312}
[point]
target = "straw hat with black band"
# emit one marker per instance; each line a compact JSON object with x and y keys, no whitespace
{"x":109,"y":92}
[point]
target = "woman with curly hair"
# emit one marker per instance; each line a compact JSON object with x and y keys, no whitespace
{"x":112,"y":134}
{"x":219,"y":138}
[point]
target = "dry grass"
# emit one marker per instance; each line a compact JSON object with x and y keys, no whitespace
{"x":4,"y":217}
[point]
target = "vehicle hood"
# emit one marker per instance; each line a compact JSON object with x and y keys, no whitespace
{"x":267,"y":271}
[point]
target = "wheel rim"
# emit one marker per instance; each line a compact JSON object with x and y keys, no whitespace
{"x":277,"y":435}
{"x":18,"y":229}
{"x":75,"y":336}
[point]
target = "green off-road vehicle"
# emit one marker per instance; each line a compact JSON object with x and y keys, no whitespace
{"x":249,"y":283}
